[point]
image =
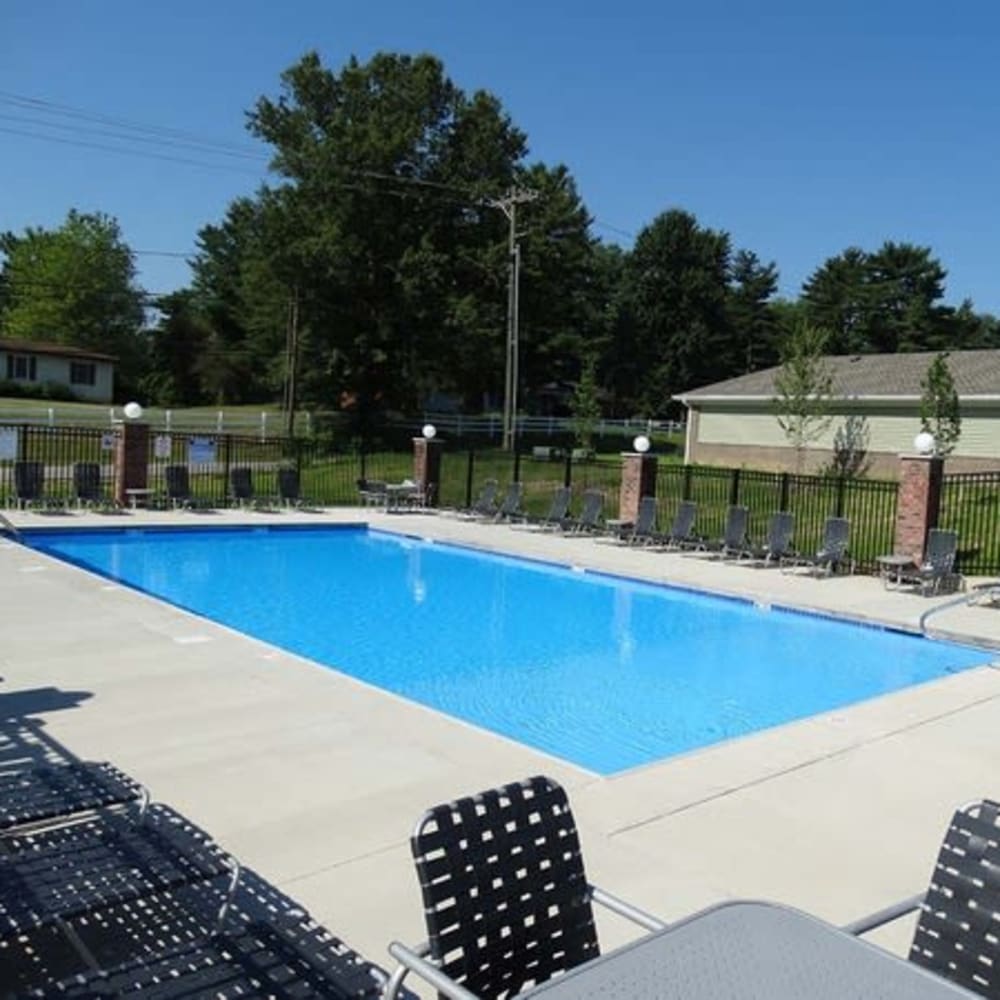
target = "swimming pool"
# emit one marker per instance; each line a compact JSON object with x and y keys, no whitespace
{"x":605,"y":672}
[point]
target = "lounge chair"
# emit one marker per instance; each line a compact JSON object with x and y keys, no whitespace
{"x":643,"y":530}
{"x":29,"y":480}
{"x":178,"y":485}
{"x":956,"y":935}
{"x":734,"y":542}
{"x":241,"y":486}
{"x":590,"y":514}
{"x":288,"y":487}
{"x":485,"y":505}
{"x":87,"y":485}
{"x":681,"y":534}
{"x":510,"y":506}
{"x":780,"y":527}
{"x":832,"y":551}
{"x":939,"y":561}
{"x":558,"y":512}
{"x":506,"y":898}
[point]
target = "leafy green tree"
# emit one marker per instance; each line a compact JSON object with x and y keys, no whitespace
{"x":76,"y":285}
{"x":751,"y":318}
{"x":850,"y":448}
{"x":940,"y":413}
{"x":176,"y":347}
{"x":586,"y":404}
{"x":836,"y":298}
{"x":803,"y":385}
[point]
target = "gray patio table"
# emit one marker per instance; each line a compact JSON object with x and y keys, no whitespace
{"x":747,"y":950}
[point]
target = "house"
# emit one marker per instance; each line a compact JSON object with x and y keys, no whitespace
{"x":734,"y":423}
{"x":31,"y":364}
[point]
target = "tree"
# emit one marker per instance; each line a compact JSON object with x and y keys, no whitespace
{"x":751,"y":318}
{"x":850,"y":448}
{"x":586,"y":404}
{"x":176,"y":346}
{"x":76,"y":285}
{"x":940,"y":413}
{"x":803,"y":385}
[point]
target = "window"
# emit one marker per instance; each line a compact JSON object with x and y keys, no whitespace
{"x":82,"y":373}
{"x":21,"y":366}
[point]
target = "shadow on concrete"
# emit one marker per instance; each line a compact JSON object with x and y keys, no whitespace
{"x":23,"y":739}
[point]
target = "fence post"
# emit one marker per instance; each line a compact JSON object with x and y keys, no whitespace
{"x":841,"y":490}
{"x":226,"y":446}
{"x":427,"y":467}
{"x":920,"y":481}
{"x":734,"y":488}
{"x":219,"y":422}
{"x":468,"y":478}
{"x":263,"y":425}
{"x":638,"y":481}
{"x":568,"y":470}
{"x":783,"y":492}
{"x":131,"y":460}
{"x":686,"y":483}
{"x":517,"y":462}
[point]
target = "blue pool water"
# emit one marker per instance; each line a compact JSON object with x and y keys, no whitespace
{"x":605,"y":672}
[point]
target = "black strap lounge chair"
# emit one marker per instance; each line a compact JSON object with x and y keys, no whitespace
{"x":734,"y":542}
{"x":643,"y":530}
{"x":289,"y":494}
{"x":485,"y":505}
{"x":590,"y":513}
{"x":558,"y":512}
{"x":832,"y":551}
{"x":939,"y":561}
{"x":241,"y":486}
{"x":506,"y":898}
{"x":957,"y":930}
{"x":510,"y":506}
{"x":87,"y":485}
{"x":780,"y":527}
{"x":29,"y":480}
{"x":681,"y":534}
{"x":178,"y":485}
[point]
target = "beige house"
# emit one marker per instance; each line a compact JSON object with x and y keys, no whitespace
{"x":87,"y":374}
{"x":733,"y":423}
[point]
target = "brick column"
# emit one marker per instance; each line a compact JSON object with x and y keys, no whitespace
{"x":638,"y":481}
{"x":427,"y":466}
{"x":920,"y":478}
{"x":131,"y":459}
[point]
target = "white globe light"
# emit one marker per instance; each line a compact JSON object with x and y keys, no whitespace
{"x":428,"y":431}
{"x":641,"y":444}
{"x":924,"y":443}
{"x":133,"y":411}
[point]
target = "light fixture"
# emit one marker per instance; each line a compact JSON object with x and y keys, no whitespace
{"x":641,"y":444}
{"x":924,"y":443}
{"x":429,"y":431}
{"x":132,"y":410}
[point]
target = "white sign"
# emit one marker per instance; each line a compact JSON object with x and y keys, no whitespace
{"x":201,"y":451}
{"x":107,"y":442}
{"x":8,"y":443}
{"x":161,"y":446}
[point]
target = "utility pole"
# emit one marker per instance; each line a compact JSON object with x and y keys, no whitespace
{"x":508,"y":205}
{"x":291,"y":362}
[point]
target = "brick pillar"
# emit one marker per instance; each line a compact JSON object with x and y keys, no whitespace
{"x":427,"y":466}
{"x":638,"y":481}
{"x":920,"y":478}
{"x":131,"y":459}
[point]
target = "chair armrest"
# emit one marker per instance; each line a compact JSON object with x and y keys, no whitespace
{"x":885,"y":916}
{"x":627,"y":910}
{"x":413,"y":960}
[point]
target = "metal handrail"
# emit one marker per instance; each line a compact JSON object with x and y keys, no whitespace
{"x":9,"y":526}
{"x":991,"y":590}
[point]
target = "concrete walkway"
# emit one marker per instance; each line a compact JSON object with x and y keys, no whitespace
{"x":315,"y":779}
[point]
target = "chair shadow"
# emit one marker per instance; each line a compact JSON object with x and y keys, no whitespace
{"x":23,"y":738}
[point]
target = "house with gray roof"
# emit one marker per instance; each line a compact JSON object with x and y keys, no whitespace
{"x":734,"y":423}
{"x":31,"y":364}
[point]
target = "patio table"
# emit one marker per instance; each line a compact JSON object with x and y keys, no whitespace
{"x":745,"y":950}
{"x":893,"y":568}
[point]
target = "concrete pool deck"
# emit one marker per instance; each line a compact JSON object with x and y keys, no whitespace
{"x":315,"y":779}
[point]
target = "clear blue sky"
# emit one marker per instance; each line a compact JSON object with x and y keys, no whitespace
{"x":798,"y":130}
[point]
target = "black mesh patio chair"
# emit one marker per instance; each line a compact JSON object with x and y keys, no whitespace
{"x":289,"y":490}
{"x":831,"y":553}
{"x":735,"y":541}
{"x":557,"y":514}
{"x":485,"y":505}
{"x":958,"y":930}
{"x":29,"y":480}
{"x":939,"y":561}
{"x":87,"y":485}
{"x":178,"y":485}
{"x":643,"y":530}
{"x":681,"y":533}
{"x":510,"y":506}
{"x":241,"y":486}
{"x":506,"y":898}
{"x":780,"y":528}
{"x":590,"y":515}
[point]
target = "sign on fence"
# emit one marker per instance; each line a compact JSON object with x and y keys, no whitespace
{"x":8,"y":443}
{"x":201,"y":451}
{"x":108,"y":442}
{"x":162,"y":445}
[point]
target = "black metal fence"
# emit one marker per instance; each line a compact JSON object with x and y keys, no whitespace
{"x":970,"y":505}
{"x":869,"y":504}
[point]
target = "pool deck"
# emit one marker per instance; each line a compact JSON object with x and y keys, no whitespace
{"x":315,"y":779}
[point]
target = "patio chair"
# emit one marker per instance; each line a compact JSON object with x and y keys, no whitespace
{"x":643,"y":530}
{"x":178,"y":485}
{"x":288,"y":487}
{"x":373,"y":492}
{"x":939,"y":561}
{"x":558,"y":512}
{"x":681,"y":533}
{"x":241,"y":486}
{"x":510,"y":506}
{"x":506,"y":898}
{"x":485,"y":505}
{"x":832,"y":551}
{"x":590,"y":514}
{"x":87,"y":485}
{"x":956,"y":935}
{"x":780,"y":527}
{"x":29,"y":480}
{"x":734,"y":542}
